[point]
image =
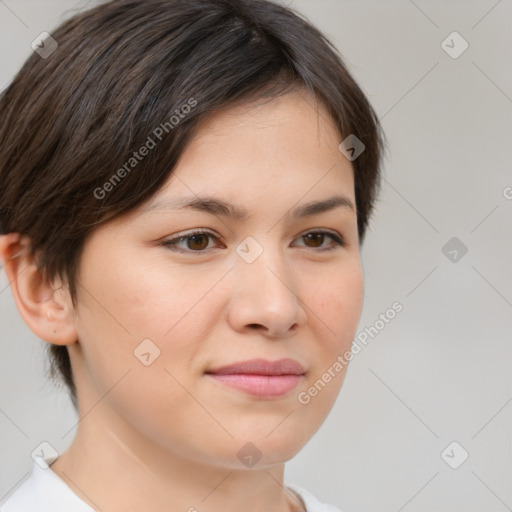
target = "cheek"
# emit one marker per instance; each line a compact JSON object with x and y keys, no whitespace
{"x":140,"y":299}
{"x":338,"y":303}
{"x":122,"y":307}
{"x":128,"y":303}
{"x":338,"y":306}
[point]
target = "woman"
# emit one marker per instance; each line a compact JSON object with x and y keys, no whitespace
{"x":186,"y":188}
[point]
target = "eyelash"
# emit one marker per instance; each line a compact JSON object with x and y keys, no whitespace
{"x":338,"y":241}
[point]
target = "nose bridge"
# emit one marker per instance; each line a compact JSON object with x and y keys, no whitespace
{"x":265,"y":293}
{"x":263,"y":265}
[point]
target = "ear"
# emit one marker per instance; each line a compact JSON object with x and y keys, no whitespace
{"x":46,"y":307}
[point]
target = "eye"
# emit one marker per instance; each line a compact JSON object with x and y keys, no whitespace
{"x":198,"y":241}
{"x":316,"y":238}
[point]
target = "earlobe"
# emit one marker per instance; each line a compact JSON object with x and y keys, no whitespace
{"x":45,"y":307}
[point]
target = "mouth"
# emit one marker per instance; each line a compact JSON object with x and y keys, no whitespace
{"x":259,"y":377}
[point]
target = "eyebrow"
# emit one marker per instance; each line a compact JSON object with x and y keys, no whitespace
{"x":215,"y":206}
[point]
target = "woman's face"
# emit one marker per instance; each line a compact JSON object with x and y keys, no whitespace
{"x":154,"y":317}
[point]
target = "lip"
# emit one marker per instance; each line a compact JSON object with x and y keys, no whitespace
{"x":260,"y":377}
{"x":261,"y":367}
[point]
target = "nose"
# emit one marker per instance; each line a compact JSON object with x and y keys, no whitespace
{"x":264,"y":296}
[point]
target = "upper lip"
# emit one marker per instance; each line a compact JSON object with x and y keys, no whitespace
{"x":261,"y":367}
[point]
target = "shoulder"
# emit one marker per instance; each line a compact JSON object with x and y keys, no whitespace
{"x":312,"y":503}
{"x":43,"y":491}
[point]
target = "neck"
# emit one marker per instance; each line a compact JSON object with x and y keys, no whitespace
{"x":114,"y":468}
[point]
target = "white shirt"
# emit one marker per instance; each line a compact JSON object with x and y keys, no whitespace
{"x":45,"y":491}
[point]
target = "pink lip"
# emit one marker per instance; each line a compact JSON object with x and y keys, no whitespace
{"x":259,"y":377}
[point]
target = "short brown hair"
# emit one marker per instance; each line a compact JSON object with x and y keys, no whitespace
{"x":71,"y":121}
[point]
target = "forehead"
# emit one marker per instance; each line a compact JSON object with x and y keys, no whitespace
{"x":281,"y":141}
{"x":293,"y":117}
{"x":277,"y":156}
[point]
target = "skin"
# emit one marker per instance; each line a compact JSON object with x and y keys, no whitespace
{"x":173,"y":430}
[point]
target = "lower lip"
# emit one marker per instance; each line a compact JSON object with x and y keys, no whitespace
{"x":262,"y":386}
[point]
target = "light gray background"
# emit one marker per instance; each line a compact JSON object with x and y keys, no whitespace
{"x":440,"y":371}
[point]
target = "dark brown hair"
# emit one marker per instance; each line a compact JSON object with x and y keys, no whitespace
{"x":72,"y":120}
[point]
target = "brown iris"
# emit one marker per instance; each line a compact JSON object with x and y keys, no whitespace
{"x":314,"y":237}
{"x":196,"y":241}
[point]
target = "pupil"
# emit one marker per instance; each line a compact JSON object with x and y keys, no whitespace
{"x":315,"y":236}
{"x":194,"y":240}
